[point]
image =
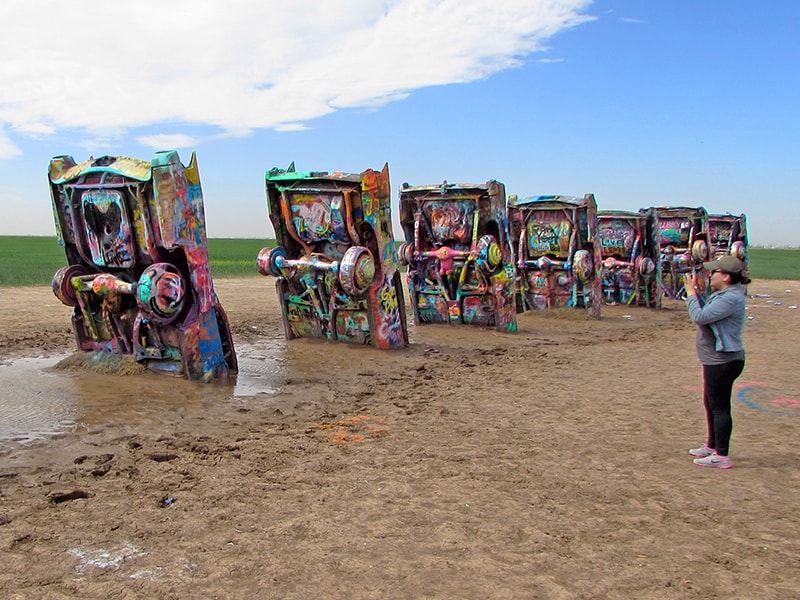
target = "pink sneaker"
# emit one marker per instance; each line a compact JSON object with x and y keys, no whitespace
{"x":702,"y":451}
{"x":715,"y":461}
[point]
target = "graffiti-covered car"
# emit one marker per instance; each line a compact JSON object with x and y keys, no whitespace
{"x":460,"y":263}
{"x":138,"y":276}
{"x":557,"y":252}
{"x":630,"y":260}
{"x":682,"y":235}
{"x":727,"y":234}
{"x":335,"y":262}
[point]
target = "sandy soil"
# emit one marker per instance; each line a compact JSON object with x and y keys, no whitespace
{"x":547,"y":464}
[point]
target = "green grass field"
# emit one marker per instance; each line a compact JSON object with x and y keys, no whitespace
{"x":31,"y":260}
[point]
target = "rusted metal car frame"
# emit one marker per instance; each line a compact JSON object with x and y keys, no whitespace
{"x":335,"y":264}
{"x":460,"y":262}
{"x":557,"y":252}
{"x":682,"y":234}
{"x":138,"y":276}
{"x":631,"y":268}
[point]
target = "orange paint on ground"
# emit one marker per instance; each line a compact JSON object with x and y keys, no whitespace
{"x":343,"y":437}
{"x":347,"y":429}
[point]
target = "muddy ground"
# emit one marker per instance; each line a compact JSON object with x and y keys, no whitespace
{"x":551,"y":463}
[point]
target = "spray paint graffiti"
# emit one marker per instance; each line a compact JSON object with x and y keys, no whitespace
{"x":352,"y":429}
{"x":682,"y":236}
{"x":727,"y":234}
{"x":558,"y":252}
{"x":143,"y":221}
{"x":335,"y":263}
{"x":763,"y":396}
{"x":631,"y":269}
{"x":450,"y":220}
{"x":458,"y":254}
{"x":760,"y":395}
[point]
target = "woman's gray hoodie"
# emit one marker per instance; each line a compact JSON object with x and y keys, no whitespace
{"x":720,"y":322}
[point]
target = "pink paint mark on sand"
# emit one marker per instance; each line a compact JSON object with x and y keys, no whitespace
{"x":788,"y":401}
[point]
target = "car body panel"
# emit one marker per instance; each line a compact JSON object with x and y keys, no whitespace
{"x":138,"y":276}
{"x":557,"y":252}
{"x":460,"y":262}
{"x":335,"y":263}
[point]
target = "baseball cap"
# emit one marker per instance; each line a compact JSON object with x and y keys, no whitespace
{"x":727,"y":263}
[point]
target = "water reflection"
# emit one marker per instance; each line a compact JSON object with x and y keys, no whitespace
{"x":34,"y":403}
{"x":262,"y":369}
{"x":41,"y":400}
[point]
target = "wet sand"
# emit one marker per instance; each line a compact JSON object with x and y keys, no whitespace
{"x":550,"y":463}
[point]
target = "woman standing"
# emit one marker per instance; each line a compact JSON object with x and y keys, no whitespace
{"x":719,"y":321}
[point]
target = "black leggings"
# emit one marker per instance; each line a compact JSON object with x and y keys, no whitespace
{"x":717,"y":388}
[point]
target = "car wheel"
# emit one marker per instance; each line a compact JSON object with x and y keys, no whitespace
{"x":161,"y":293}
{"x":490,"y":255}
{"x":266,"y":262}
{"x":62,"y":283}
{"x":356,"y":270}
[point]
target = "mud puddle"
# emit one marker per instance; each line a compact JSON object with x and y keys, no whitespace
{"x":40,"y":400}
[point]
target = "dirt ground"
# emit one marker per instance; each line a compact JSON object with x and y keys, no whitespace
{"x":550,"y":463}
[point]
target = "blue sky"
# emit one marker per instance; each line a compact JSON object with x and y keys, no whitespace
{"x":643,"y":103}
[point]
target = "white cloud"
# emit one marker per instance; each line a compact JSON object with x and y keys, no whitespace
{"x":35,"y":129}
{"x":292,"y":127}
{"x":104,"y":67}
{"x":168,"y":141}
{"x":8,"y":149}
